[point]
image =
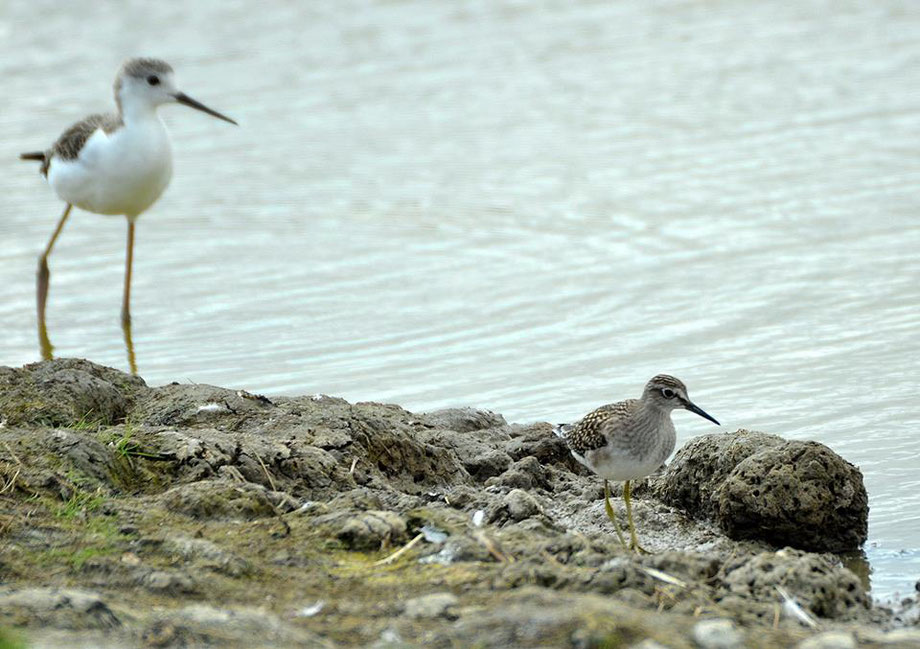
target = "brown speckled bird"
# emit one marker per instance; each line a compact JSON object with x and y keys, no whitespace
{"x":629,"y":439}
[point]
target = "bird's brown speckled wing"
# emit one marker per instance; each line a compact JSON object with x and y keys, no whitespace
{"x":72,"y":140}
{"x":588,"y":434}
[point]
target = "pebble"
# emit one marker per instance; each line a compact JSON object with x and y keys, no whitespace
{"x":432,"y":606}
{"x":717,"y":634}
{"x":520,"y":504}
{"x":372,"y":529}
{"x":168,"y":582}
{"x":829,"y":640}
{"x":902,"y":636}
{"x":648,"y":643}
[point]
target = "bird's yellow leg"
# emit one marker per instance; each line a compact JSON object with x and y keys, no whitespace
{"x":612,"y":514}
{"x":129,"y":347}
{"x":126,"y":300}
{"x":633,"y":538}
{"x":43,"y":278}
{"x":129,"y":262}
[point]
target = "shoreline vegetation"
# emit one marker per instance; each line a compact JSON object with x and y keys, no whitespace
{"x":190,"y":515}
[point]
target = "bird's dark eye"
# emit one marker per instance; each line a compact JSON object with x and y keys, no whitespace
{"x":668,"y":393}
{"x":153,"y":80}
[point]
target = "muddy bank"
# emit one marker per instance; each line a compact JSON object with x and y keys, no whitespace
{"x":192,"y":515}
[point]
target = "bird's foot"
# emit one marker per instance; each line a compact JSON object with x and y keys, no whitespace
{"x":638,"y":549}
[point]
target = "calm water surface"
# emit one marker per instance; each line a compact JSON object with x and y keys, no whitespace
{"x":528,"y":207}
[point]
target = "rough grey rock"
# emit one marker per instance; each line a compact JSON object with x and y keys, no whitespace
{"x":169,"y":582}
{"x":315,"y":468}
{"x":90,"y":457}
{"x":200,"y":453}
{"x":411,"y":461}
{"x":798,"y":493}
{"x":486,"y":464}
{"x":193,"y":404}
{"x":526,"y":473}
{"x":459,"y":548}
{"x":701,"y":465}
{"x":66,"y":392}
{"x":477,"y":450}
{"x":762,"y":487}
{"x":815,"y":581}
{"x":223,"y":499}
{"x":717,"y":634}
{"x":207,"y":554}
{"x":60,"y":608}
{"x":432,"y":606}
{"x":829,"y":640}
{"x":463,"y":420}
{"x":199,"y":624}
{"x":538,"y":617}
{"x":520,"y":505}
{"x":372,"y":530}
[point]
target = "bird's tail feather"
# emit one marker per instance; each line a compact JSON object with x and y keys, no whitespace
{"x":561,"y":430}
{"x":38,"y":156}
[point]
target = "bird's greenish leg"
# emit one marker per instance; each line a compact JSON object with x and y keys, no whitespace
{"x":612,"y":514}
{"x":43,"y":279}
{"x":633,"y":537}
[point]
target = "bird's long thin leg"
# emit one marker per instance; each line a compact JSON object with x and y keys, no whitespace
{"x":43,"y":278}
{"x":126,"y":299}
{"x":612,"y":514}
{"x":633,"y":538}
{"x":129,"y":260}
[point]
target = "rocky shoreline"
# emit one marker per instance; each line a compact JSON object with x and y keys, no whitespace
{"x":192,"y":515}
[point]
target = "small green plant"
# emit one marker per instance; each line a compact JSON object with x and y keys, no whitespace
{"x":76,"y":559}
{"x":79,"y":503}
{"x":11,"y":640}
{"x":81,"y":556}
{"x":79,"y":479}
{"x":125,"y":446}
{"x":86,"y":422}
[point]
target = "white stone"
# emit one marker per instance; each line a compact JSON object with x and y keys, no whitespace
{"x":829,"y":640}
{"x":431,"y":606}
{"x":717,"y":634}
{"x":648,"y":643}
{"x":899,"y":636}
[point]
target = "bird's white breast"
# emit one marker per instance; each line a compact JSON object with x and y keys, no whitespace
{"x":633,"y":451}
{"x":618,"y":466}
{"x":123,"y":172}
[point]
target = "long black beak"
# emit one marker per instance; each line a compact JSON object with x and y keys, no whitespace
{"x":183,"y":98}
{"x":692,"y":407}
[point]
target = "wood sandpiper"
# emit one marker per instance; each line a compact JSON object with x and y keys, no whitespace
{"x":118,"y":163}
{"x":630,"y":439}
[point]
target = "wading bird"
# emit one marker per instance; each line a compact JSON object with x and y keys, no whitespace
{"x":629,"y":439}
{"x":117,"y":163}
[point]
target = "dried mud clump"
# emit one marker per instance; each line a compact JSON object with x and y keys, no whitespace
{"x":800,"y":494}
{"x":761,"y":487}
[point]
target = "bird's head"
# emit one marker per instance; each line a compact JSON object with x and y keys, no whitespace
{"x":667,"y":393}
{"x":144,"y":83}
